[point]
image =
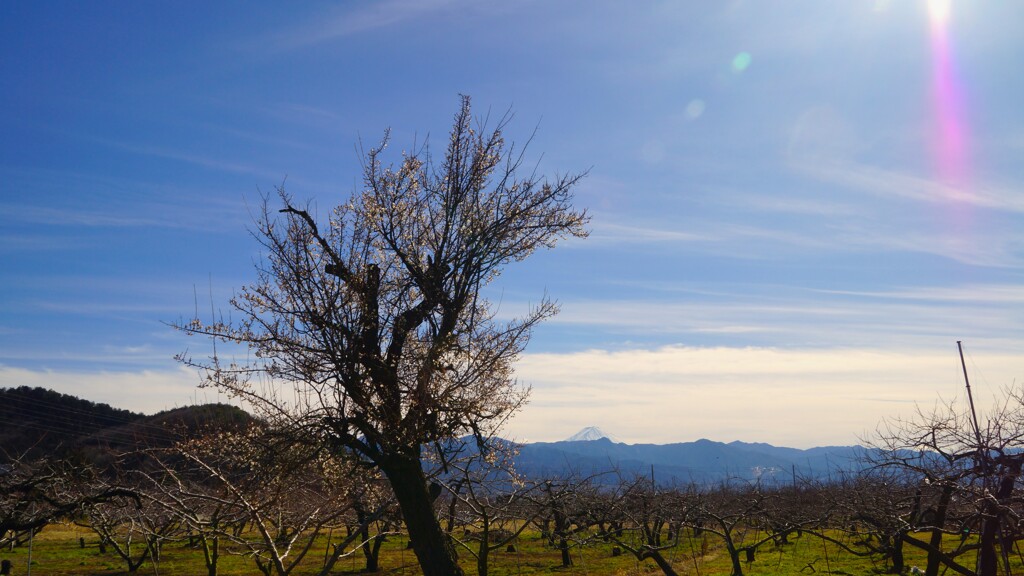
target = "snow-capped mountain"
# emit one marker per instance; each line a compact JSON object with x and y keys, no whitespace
{"x":590,"y":433}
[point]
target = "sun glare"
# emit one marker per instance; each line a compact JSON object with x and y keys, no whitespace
{"x":939,"y":10}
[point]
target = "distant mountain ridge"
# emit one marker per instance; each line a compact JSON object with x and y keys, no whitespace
{"x":40,"y":422}
{"x":700,"y":461}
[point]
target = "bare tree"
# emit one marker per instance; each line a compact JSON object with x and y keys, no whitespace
{"x":280,"y":497}
{"x":134,"y":528}
{"x":871,"y":514}
{"x":637,"y":517}
{"x":369,"y":331}
{"x":206,"y":509}
{"x":485,"y":488}
{"x":967,"y":470}
{"x":566,"y":512}
{"x":735,"y":512}
{"x":34,"y":494}
{"x":374,"y":516}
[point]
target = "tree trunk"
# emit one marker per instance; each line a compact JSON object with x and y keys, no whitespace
{"x":935,"y":555}
{"x":734,"y":555}
{"x":481,"y":559}
{"x":372,"y":554}
{"x":371,"y":548}
{"x":563,"y":547}
{"x":988,"y":560}
{"x":211,"y":552}
{"x":897,"y":554}
{"x":561,"y":530}
{"x":484,"y":549}
{"x":660,"y":560}
{"x":433,"y":548}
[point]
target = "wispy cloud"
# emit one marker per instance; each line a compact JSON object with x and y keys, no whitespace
{"x":144,"y":391}
{"x":345,"y":20}
{"x":900,"y":184}
{"x":92,"y":358}
{"x":106,"y":308}
{"x":720,"y":237}
{"x":801,"y":397}
{"x":795,"y":397}
{"x":609,"y":232}
{"x":976,"y":293}
{"x":10,"y":243}
{"x":259,"y":174}
{"x":277,"y":141}
{"x":1003,"y":249}
{"x":791,"y":204}
{"x":759,"y":229}
{"x":108,"y":201}
{"x":77,"y":217}
{"x":194,"y":159}
{"x":789,"y":316}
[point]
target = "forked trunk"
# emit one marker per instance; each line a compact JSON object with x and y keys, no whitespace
{"x":371,"y":547}
{"x":661,"y":561}
{"x":897,"y":554}
{"x":734,"y":556}
{"x":433,"y":548}
{"x":211,"y":553}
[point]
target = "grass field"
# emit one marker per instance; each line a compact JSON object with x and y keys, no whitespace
{"x":57,"y":552}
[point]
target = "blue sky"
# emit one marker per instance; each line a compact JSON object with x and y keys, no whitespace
{"x":798,"y":206}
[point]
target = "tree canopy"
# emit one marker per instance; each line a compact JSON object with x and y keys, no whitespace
{"x":368,"y":329}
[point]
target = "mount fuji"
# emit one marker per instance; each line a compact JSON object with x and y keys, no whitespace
{"x":591,"y":433}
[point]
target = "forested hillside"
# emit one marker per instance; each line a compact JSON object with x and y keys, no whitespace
{"x":41,"y":423}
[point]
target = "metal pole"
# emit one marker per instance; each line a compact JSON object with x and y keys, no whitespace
{"x":970,"y":397}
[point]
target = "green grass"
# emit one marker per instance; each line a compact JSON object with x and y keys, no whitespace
{"x":56,"y":552}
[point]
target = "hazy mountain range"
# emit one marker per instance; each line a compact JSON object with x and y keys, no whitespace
{"x":592,"y":451}
{"x":43,"y":423}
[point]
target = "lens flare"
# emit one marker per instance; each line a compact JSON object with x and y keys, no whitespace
{"x":950,"y":148}
{"x":741,"y":61}
{"x":695,"y":109}
{"x":947,"y":100}
{"x":939,"y":11}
